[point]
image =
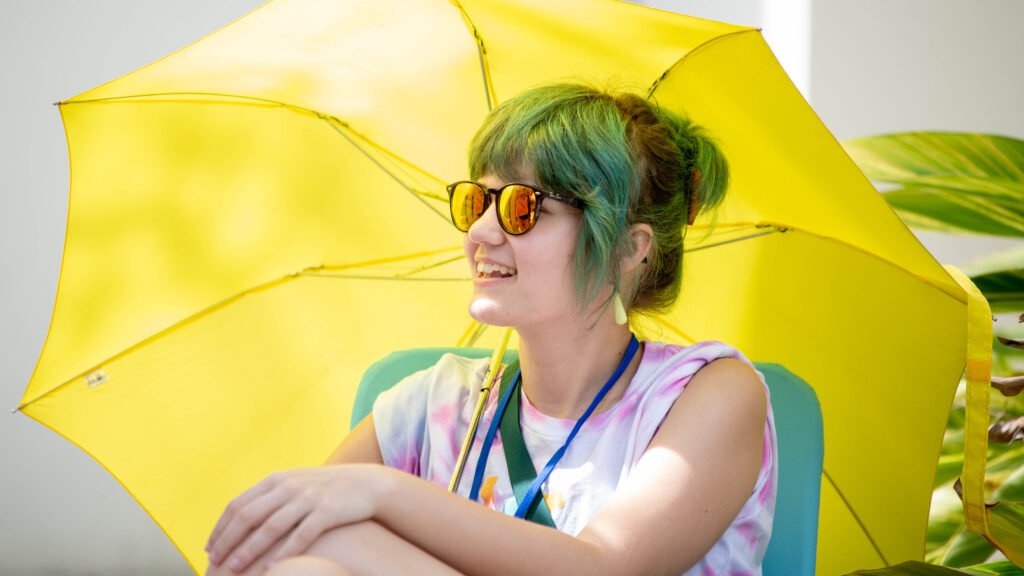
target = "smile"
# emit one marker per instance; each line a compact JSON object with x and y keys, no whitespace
{"x":485,"y":270}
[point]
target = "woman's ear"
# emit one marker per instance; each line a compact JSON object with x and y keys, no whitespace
{"x":640,"y":236}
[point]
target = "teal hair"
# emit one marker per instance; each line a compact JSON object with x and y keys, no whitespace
{"x":628,"y":160}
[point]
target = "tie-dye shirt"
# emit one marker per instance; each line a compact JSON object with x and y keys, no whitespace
{"x":421,"y":422}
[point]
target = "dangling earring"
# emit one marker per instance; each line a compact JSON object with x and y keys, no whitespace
{"x":620,"y":310}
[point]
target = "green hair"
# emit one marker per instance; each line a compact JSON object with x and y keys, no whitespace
{"x":627,"y":159}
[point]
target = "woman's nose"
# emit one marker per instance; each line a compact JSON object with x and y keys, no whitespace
{"x":487,"y":230}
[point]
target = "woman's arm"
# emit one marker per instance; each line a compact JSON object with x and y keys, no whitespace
{"x":699,"y":470}
{"x":359,"y":446}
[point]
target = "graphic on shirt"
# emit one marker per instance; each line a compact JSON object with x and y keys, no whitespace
{"x":554,"y":501}
{"x":487,"y":491}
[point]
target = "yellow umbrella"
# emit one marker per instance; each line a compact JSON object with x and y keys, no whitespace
{"x":256,"y":218}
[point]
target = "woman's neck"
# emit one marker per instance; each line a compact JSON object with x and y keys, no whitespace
{"x":564,"y":368}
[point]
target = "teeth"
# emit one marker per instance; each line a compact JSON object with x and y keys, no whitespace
{"x":484,"y":268}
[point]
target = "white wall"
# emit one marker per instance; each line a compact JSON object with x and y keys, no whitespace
{"x":881,"y":66}
{"x":60,"y":512}
{"x":873,"y":66}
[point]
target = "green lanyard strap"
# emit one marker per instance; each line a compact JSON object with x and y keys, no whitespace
{"x":520,"y":466}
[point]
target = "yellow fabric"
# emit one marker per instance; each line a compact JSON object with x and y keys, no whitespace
{"x":258,"y":217}
{"x":979,"y":376}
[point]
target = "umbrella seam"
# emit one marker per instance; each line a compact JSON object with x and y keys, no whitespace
{"x":863,"y":528}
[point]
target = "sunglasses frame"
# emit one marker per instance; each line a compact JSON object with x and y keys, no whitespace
{"x":538,"y":194}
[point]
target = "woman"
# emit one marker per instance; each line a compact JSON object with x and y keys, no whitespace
{"x":572,"y":220}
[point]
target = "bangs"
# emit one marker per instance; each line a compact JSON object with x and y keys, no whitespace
{"x":568,"y":139}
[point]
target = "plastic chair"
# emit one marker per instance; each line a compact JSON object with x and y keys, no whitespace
{"x":798,"y":427}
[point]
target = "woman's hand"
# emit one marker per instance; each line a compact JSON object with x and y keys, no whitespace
{"x":295,"y":506}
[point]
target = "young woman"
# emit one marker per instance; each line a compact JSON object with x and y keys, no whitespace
{"x":574,"y":217}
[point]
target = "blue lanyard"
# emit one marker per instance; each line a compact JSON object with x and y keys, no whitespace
{"x":485,"y":450}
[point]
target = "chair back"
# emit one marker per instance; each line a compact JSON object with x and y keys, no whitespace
{"x":798,"y":428}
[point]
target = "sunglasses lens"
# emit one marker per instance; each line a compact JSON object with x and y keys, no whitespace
{"x":468,"y":203}
{"x":517,"y":208}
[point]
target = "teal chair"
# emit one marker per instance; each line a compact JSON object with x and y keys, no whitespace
{"x":792,"y":549}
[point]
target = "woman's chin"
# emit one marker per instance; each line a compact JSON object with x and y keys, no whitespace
{"x":486,"y":311}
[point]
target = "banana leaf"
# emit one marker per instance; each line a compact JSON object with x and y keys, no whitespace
{"x":1006,"y":518}
{"x":1006,"y":529}
{"x":1004,"y":568}
{"x":1000,"y":277}
{"x":924,"y":569}
{"x":949,"y":182}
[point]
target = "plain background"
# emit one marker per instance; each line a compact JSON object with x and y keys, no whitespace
{"x":867,"y":67}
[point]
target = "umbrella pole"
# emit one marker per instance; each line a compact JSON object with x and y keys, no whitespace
{"x":492,"y":371}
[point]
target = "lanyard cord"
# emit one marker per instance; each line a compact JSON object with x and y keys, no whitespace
{"x":531,"y":494}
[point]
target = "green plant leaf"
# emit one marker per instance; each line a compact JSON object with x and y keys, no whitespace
{"x":1000,"y":277}
{"x":1004,"y":568}
{"x":923,"y":569}
{"x":1006,"y":529}
{"x":952,"y":182}
{"x":948,"y":542}
{"x":958,"y":211}
{"x":967,"y":549}
{"x":1005,"y":471}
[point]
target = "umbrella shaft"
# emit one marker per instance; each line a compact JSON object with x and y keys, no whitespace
{"x":467,"y":443}
{"x":460,"y":464}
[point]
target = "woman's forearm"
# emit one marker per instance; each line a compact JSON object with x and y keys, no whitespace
{"x":474,"y":539}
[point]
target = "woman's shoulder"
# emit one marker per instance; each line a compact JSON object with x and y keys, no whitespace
{"x":667,"y":370}
{"x":451,"y":374}
{"x":663,"y":361}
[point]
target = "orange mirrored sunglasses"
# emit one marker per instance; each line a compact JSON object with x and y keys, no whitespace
{"x":518,"y":204}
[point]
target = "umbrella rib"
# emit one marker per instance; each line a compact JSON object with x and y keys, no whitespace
{"x":863,"y":528}
{"x":481,"y":54}
{"x":309,"y":271}
{"x":473,"y":325}
{"x":431,"y":266}
{"x":319,"y":272}
{"x":699,"y":47}
{"x":787,"y":228}
{"x":471,"y":337}
{"x":401,"y":278}
{"x":180,"y":324}
{"x":383,"y":260}
{"x":256,"y":101}
{"x":414,"y":193}
{"x":748,"y":237}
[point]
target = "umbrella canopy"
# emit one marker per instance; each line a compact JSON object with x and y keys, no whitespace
{"x":258,"y":217}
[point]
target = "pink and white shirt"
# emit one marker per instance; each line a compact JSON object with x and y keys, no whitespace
{"x":421,"y":422}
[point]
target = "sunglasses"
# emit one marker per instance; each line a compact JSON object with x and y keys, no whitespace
{"x":518,"y":205}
